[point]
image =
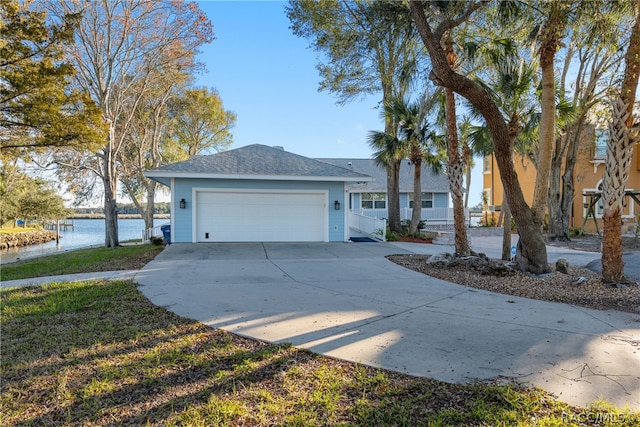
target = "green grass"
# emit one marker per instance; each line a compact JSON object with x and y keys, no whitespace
{"x":99,"y":353}
{"x":131,"y":257}
{"x":16,"y":230}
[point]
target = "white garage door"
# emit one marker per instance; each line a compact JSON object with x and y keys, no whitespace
{"x":259,"y":216}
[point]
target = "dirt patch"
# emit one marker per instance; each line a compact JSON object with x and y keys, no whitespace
{"x":593,"y":243}
{"x":580,"y":286}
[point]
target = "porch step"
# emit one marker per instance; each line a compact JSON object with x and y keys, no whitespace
{"x":444,"y":238}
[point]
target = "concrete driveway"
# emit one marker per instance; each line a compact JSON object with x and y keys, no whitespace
{"x":347,"y":301}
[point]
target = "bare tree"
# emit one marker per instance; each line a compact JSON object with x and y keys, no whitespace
{"x":120,"y":44}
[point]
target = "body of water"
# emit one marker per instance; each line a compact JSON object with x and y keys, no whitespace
{"x":86,"y":233}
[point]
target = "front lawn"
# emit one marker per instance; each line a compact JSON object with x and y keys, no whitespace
{"x":99,"y":353}
{"x":130,"y":257}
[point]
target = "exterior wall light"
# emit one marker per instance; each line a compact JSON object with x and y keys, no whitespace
{"x":336,"y":205}
{"x":183,"y":203}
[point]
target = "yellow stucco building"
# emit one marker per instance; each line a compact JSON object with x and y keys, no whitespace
{"x":588,"y":175}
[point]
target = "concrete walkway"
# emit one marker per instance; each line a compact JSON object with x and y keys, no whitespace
{"x":346,"y":300}
{"x":98,"y":275}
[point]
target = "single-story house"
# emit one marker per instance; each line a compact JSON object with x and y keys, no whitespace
{"x":259,"y":193}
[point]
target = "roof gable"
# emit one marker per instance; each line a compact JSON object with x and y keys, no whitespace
{"x":256,"y":162}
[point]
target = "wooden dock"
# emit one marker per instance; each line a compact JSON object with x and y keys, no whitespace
{"x":60,"y":225}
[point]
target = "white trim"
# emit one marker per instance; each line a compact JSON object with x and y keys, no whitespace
{"x":345,"y":212}
{"x":196,"y":190}
{"x":192,"y":175}
{"x":598,"y":215}
{"x":172,"y":219}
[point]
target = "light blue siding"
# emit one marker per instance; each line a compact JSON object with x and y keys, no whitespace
{"x":183,"y":189}
{"x":404,"y":200}
{"x":441,"y":200}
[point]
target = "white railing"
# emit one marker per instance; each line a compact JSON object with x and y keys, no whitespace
{"x":374,"y":227}
{"x":443,"y":215}
{"x":151,"y":232}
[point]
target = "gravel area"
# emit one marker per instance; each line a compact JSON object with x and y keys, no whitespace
{"x":580,"y":286}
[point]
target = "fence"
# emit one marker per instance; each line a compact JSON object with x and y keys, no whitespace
{"x":151,"y":232}
{"x":433,"y":215}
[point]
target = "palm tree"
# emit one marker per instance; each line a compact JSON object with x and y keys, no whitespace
{"x":531,"y":253}
{"x":511,"y":88}
{"x":389,"y":152}
{"x":409,"y":140}
{"x":622,"y":138}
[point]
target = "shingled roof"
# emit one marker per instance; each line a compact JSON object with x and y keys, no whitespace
{"x":256,"y":162}
{"x":431,"y":181}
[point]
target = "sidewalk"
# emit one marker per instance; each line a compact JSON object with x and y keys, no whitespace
{"x":98,"y":275}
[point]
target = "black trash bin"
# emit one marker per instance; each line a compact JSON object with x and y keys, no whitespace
{"x":166,"y":233}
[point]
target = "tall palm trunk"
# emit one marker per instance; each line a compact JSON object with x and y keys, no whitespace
{"x":393,"y":199}
{"x":617,"y":166}
{"x":547,"y":137}
{"x":622,"y":138}
{"x":555,"y":195}
{"x":416,"y":213}
{"x":552,"y":32}
{"x":455,"y":167}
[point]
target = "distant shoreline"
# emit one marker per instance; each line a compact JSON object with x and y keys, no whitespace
{"x":120,"y":216}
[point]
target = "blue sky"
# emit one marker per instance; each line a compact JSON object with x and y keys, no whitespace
{"x":268,"y":77}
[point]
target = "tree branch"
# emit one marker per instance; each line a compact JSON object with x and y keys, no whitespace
{"x":449,"y":24}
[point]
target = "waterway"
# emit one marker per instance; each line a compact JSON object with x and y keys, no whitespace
{"x":86,"y":233}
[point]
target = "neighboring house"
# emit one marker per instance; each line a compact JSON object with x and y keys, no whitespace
{"x":588,"y":174}
{"x":370,"y":198}
{"x":260,"y":193}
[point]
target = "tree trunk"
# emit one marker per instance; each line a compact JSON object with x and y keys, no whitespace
{"x":151,"y":204}
{"x":506,"y":229}
{"x":455,"y":171}
{"x":455,"y":168}
{"x":532,"y":252}
{"x":612,"y":262}
{"x":552,"y":32}
{"x":568,"y":189}
{"x":622,"y":138}
{"x":110,"y":180}
{"x":617,"y":166}
{"x":547,"y":133}
{"x":393,"y":198}
{"x":417,"y":194}
{"x":554,"y":231}
{"x":467,"y":157}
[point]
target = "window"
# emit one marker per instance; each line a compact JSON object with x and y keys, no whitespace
{"x":427,"y":200}
{"x":600,"y":205}
{"x":600,"y":148}
{"x":486,"y":164}
{"x":374,"y":201}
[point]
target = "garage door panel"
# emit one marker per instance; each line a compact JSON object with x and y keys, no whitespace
{"x":260,"y":216}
